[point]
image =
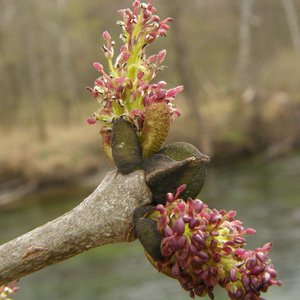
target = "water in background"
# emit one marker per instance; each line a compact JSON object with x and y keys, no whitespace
{"x":266,"y":196}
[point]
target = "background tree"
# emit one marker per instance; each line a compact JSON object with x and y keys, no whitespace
{"x":292,"y":19}
{"x":244,"y":54}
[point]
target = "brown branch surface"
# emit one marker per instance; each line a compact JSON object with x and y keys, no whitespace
{"x":103,"y":217}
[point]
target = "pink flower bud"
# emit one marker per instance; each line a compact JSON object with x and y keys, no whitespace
{"x":173,"y":92}
{"x":140,"y":75}
{"x":152,"y":59}
{"x":151,"y":7}
{"x":160,"y":208}
{"x":106,"y":36}
{"x":161,"y":84}
{"x":99,"y":82}
{"x":167,"y":20}
{"x":91,"y":120}
{"x":136,"y":5}
{"x":143,"y":87}
{"x":179,"y":89}
{"x":161,"y":56}
{"x":165,"y":27}
{"x":180,"y":190}
{"x":147,"y":14}
{"x":120,"y":80}
{"x":267,"y":247}
{"x":231,"y":214}
{"x":160,"y":94}
{"x":232,"y":275}
{"x":178,"y":227}
{"x":175,"y":270}
{"x":169,"y":197}
{"x":181,"y":242}
{"x":261,"y":256}
{"x":125,"y":56}
{"x":162,"y":32}
{"x":198,"y":205}
{"x":240,"y":252}
{"x":168,"y":231}
{"x":249,"y":231}
{"x":98,"y":67}
{"x":272,"y":272}
{"x":155,"y":18}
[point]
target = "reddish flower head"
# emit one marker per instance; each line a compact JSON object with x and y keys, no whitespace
{"x":126,"y":90}
{"x":204,"y":247}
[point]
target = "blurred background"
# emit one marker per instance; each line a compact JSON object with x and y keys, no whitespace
{"x":239,"y":61}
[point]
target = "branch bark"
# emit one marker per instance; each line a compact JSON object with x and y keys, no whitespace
{"x":103,"y":217}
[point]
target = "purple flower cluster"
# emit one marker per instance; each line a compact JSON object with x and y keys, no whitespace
{"x":125,"y":91}
{"x":204,"y":247}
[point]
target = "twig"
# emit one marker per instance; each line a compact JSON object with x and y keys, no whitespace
{"x":103,"y":217}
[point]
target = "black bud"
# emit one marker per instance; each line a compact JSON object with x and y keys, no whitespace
{"x":146,"y":231}
{"x":126,"y":149}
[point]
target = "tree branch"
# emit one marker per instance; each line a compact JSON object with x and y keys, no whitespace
{"x":103,"y":217}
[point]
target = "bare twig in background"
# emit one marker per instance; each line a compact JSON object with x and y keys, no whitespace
{"x":35,"y":91}
{"x":183,"y":65}
{"x":242,"y":76}
{"x":68,"y":85}
{"x":292,"y":19}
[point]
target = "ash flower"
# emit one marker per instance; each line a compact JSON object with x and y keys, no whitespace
{"x":126,"y":90}
{"x":203,"y":247}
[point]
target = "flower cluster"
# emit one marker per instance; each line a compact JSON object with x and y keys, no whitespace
{"x":204,"y":247}
{"x":126,"y":90}
{"x":7,"y":291}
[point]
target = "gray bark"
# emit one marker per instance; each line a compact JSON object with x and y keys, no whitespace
{"x":103,"y":217}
